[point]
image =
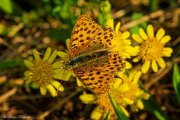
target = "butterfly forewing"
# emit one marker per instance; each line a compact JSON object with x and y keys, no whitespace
{"x":84,"y":31}
{"x":104,"y":36}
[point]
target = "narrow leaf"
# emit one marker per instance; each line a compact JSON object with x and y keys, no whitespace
{"x":120,"y":114}
{"x":107,"y":116}
{"x":176,"y":81}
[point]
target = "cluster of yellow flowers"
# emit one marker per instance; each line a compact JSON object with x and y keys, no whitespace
{"x":46,"y":72}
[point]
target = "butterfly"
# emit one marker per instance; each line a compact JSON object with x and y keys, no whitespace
{"x":90,"y":55}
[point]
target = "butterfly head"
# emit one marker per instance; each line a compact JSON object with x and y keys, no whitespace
{"x":66,"y":65}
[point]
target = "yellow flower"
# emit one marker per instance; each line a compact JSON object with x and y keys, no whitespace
{"x":44,"y":72}
{"x":120,"y":41}
{"x":152,"y":48}
{"x":122,"y":92}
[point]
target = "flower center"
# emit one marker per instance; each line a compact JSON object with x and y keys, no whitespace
{"x":42,"y":73}
{"x":151,"y":49}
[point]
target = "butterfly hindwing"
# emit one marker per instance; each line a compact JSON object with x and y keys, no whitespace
{"x":115,"y":63}
{"x":98,"y":81}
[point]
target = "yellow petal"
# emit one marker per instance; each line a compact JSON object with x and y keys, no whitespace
{"x":128,"y":47}
{"x":128,"y":101}
{"x":125,"y":55}
{"x":137,"y":38}
{"x":52,"y":57}
{"x":36,"y":55}
{"x":51,"y":90}
{"x":27,"y":73}
{"x":117,"y":27}
{"x":110,"y":23}
{"x":140,"y":104}
{"x":28,"y":63}
{"x":136,"y":59}
{"x":125,"y":35}
{"x":127,"y":42}
{"x":161,"y":63}
{"x":124,"y":87}
{"x":128,"y":65}
{"x":143,"y":34}
{"x":87,"y":98}
{"x":67,"y":43}
{"x":96,"y":114}
{"x":145,"y":96}
{"x":167,"y":51}
{"x":57,"y":85}
{"x":43,"y":90}
{"x":79,"y":83}
{"x":160,"y":34}
{"x":62,"y":54}
{"x":58,"y":64}
{"x":154,"y":66}
{"x":62,"y":74}
{"x":150,"y":31}
{"x":145,"y":66}
{"x":47,"y":54}
{"x":137,"y":76}
{"x":125,"y":111}
{"x":117,"y":82}
{"x":165,"y":39}
{"x":135,"y":51}
{"x":129,"y":51}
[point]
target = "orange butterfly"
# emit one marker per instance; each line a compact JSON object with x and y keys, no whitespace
{"x":90,"y":55}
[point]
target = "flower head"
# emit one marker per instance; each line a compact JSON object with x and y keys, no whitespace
{"x":120,"y":42}
{"x":152,"y":48}
{"x":44,"y":72}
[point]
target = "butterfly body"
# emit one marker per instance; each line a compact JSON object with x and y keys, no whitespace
{"x":89,"y":59}
{"x":90,"y":55}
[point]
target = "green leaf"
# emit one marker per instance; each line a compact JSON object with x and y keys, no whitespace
{"x":7,"y":6}
{"x":151,"y":106}
{"x":176,"y":81}
{"x":107,"y":116}
{"x":135,"y":29}
{"x":59,"y":34}
{"x":120,"y":114}
{"x":10,"y":63}
{"x":105,"y":12}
